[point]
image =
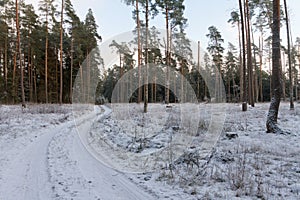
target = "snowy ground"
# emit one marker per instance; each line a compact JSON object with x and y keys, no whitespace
{"x":246,"y":163}
{"x":43,"y":157}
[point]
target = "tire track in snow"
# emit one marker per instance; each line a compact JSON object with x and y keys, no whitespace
{"x":111,"y":183}
{"x":58,"y":166}
{"x":27,"y":176}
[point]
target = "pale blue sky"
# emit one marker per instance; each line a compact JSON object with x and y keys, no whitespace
{"x":114,"y":17}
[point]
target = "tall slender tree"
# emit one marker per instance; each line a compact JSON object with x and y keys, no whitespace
{"x":139,"y":48}
{"x":20,"y":54}
{"x":90,"y":43}
{"x":147,"y":57}
{"x":235,"y":19}
{"x":244,"y":107}
{"x":75,"y":31}
{"x":138,"y":26}
{"x":61,"y":52}
{"x":174,"y":17}
{"x":47,"y":8}
{"x":231,"y":68}
{"x":29,"y":27}
{"x":289,"y":55}
{"x":271,"y":123}
{"x":249,"y":56}
{"x":216,"y":50}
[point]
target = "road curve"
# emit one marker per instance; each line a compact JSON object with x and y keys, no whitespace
{"x":58,"y":165}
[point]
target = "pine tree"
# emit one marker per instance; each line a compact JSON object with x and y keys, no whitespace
{"x":183,"y":54}
{"x":61,"y":52}
{"x":271,"y":123}
{"x":249,"y":56}
{"x":173,"y":11}
{"x":76,"y":31}
{"x":289,"y":56}
{"x":90,"y":43}
{"x":216,"y":50}
{"x":29,"y":22}
{"x":139,"y":48}
{"x":235,"y":19}
{"x":4,"y":37}
{"x":231,"y":68}
{"x":19,"y":52}
{"x":47,"y":9}
{"x":244,"y":107}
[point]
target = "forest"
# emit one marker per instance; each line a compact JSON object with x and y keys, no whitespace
{"x":41,"y":54}
{"x":43,"y":51}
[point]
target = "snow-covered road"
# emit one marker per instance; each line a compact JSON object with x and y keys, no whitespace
{"x":57,"y":165}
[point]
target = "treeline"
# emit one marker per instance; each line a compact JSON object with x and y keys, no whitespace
{"x":245,"y":69}
{"x":44,"y":52}
{"x":40,"y":55}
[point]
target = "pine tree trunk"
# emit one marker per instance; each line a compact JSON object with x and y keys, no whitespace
{"x":30,"y":82}
{"x":120,"y":100}
{"x":20,"y":55}
{"x":182,"y":99}
{"x":255,"y":87}
{"x":260,"y":68}
{"x":82,"y":84}
{"x":270,"y":69}
{"x":271,"y":123}
{"x":167,"y":92}
{"x":155,"y":87}
{"x":2,"y":75}
{"x":283,"y":64}
{"x":289,"y":56}
{"x":5,"y":67}
{"x":61,"y":53}
{"x":71,"y":70}
{"x":244,"y":107}
{"x":241,"y":65}
{"x":46,"y":59}
{"x":249,"y":57}
{"x":139,"y":50}
{"x":88,"y":73}
{"x":198,"y":64}
{"x":296,"y":73}
{"x":147,"y":59}
{"x":35,"y":86}
{"x":296,"y":85}
{"x":14,"y":90}
{"x":56,"y":77}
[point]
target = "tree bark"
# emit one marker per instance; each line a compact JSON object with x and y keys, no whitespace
{"x":249,"y":57}
{"x":198,"y":64}
{"x":289,"y":56}
{"x":139,"y":50}
{"x":241,"y":65}
{"x":20,"y":55}
{"x":167,"y":92}
{"x":244,"y":108}
{"x":147,"y":59}
{"x":272,"y":117}
{"x":61,"y":53}
{"x":71,"y":71}
{"x":260,"y":68}
{"x":46,"y":58}
{"x":283,"y":64}
{"x":5,"y":66}
{"x":255,"y":87}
